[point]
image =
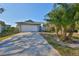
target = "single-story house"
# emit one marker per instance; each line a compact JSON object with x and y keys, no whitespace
{"x":1,"y":28}
{"x":7,"y":26}
{"x":29,"y":26}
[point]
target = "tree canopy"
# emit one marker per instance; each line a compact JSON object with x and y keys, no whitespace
{"x":1,"y":11}
{"x":64,"y":16}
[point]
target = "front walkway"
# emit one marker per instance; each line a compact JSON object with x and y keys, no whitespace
{"x":27,"y":44}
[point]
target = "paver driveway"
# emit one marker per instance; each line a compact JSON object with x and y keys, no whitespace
{"x":27,"y":44}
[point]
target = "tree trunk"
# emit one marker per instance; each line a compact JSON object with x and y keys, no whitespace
{"x":64,"y":34}
{"x":57,"y":31}
{"x":69,"y":36}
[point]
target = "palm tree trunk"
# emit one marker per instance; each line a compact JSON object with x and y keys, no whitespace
{"x":57,"y":31}
{"x":69,"y":37}
{"x":64,"y":35}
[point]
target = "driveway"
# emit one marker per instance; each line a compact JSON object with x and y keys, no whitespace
{"x":27,"y":44}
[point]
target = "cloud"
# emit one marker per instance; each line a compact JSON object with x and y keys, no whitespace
{"x":3,"y":21}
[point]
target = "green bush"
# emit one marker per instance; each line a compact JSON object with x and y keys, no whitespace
{"x":9,"y":31}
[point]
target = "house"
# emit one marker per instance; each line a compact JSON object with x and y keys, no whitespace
{"x":7,"y":26}
{"x":29,"y":26}
{"x":1,"y":28}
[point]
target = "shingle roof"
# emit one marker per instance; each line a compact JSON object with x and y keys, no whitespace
{"x":29,"y":22}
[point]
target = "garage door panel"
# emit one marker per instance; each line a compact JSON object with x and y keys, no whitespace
{"x":28,"y":28}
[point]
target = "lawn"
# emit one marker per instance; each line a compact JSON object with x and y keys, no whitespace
{"x":64,"y":51}
{"x":76,"y":36}
{"x":5,"y":37}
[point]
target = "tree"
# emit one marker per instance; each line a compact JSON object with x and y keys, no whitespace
{"x":2,"y":23}
{"x":1,"y":11}
{"x":64,"y":17}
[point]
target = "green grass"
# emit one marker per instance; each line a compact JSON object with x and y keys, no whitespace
{"x":5,"y":37}
{"x":76,"y":36}
{"x":64,"y":51}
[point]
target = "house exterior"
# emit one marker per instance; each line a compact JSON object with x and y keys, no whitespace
{"x":29,"y":26}
{"x":7,"y":26}
{"x":1,"y":28}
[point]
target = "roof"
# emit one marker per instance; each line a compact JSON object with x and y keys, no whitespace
{"x":30,"y":22}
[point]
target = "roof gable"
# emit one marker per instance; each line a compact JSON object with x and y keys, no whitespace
{"x":29,"y":22}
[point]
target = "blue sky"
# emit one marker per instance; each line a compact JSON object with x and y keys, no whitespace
{"x":21,"y":12}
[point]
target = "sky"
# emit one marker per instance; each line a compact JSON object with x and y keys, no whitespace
{"x":18,"y":12}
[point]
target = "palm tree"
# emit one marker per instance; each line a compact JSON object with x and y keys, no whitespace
{"x":1,"y":11}
{"x":64,"y":17}
{"x":2,"y":23}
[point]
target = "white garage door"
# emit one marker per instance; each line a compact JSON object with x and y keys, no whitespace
{"x":29,"y":28}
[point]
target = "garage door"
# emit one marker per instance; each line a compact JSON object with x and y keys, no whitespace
{"x":29,"y":28}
